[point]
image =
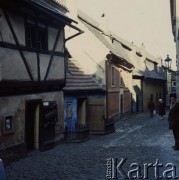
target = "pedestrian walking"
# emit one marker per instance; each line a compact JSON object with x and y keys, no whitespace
{"x":173,"y":118}
{"x":151,"y":107}
{"x":161,"y":108}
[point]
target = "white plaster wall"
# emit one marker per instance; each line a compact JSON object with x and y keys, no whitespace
{"x":52,"y":33}
{"x":12,"y":66}
{"x":5,"y":31}
{"x":57,"y":70}
{"x":19,"y":28}
{"x":44,"y":61}
{"x":31,"y":59}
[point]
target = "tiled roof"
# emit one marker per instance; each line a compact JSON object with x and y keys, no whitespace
{"x":48,"y":6}
{"x":116,"y":47}
{"x":121,"y":40}
{"x":77,"y":80}
{"x":148,"y":74}
{"x":62,"y":3}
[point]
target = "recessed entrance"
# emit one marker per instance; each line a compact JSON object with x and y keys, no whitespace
{"x":32,"y":119}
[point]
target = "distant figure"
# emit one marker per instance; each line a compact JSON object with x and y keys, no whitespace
{"x":151,"y":107}
{"x":173,"y":119}
{"x":161,"y":108}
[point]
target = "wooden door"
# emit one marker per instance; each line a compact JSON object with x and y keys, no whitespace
{"x":47,"y":125}
{"x":96,"y":114}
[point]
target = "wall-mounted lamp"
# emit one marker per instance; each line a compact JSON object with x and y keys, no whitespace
{"x":168,"y":62}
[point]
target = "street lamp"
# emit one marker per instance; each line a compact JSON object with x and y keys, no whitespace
{"x":168,"y":62}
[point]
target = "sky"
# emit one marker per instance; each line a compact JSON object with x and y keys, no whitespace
{"x":137,"y":21}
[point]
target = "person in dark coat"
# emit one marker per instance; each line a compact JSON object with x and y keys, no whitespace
{"x":151,"y":107}
{"x":173,"y":118}
{"x":161,"y":108}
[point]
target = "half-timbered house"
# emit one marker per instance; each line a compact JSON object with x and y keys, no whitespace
{"x":32,"y":74}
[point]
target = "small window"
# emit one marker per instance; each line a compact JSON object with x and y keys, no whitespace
{"x":31,"y":37}
{"x":8,"y":127}
{"x":112,"y":76}
{"x":36,"y":37}
{"x":42,"y":39}
{"x":173,"y":83}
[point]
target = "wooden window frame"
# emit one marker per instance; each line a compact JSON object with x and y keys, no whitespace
{"x":36,"y":42}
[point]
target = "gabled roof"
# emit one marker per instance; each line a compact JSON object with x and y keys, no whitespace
{"x":49,"y":7}
{"x":77,"y":80}
{"x":148,"y":74}
{"x":115,"y":47}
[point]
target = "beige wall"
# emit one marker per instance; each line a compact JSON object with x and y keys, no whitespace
{"x":151,"y":87}
{"x":88,"y":51}
{"x":15,"y":106}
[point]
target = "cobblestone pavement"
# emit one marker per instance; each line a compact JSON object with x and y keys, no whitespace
{"x":139,"y":138}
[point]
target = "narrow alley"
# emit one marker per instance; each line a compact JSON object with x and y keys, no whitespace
{"x":139,"y":138}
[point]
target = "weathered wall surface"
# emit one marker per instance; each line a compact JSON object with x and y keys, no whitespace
{"x":15,"y":107}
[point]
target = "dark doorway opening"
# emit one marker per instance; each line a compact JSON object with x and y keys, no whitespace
{"x":32,"y":121}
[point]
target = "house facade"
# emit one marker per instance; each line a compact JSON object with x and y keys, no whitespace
{"x":149,"y":79}
{"x":148,"y":76}
{"x":83,"y":105}
{"x":102,"y":57}
{"x":32,"y":75}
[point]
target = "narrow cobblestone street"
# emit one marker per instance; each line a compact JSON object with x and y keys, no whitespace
{"x":139,"y":138}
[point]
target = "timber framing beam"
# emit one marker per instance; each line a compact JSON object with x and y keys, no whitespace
{"x":11,"y":88}
{"x":52,"y":55}
{"x":18,"y":45}
{"x":24,"y":48}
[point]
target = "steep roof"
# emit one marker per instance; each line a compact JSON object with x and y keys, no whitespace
{"x":50,"y":7}
{"x":76,"y":79}
{"x":61,"y":3}
{"x":115,"y":47}
{"x":148,"y":74}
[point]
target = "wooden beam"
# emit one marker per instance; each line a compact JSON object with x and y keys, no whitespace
{"x":18,"y":45}
{"x":14,"y":87}
{"x":52,"y":55}
{"x":24,"y":48}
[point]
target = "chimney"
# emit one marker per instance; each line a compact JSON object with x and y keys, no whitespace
{"x":104,"y":23}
